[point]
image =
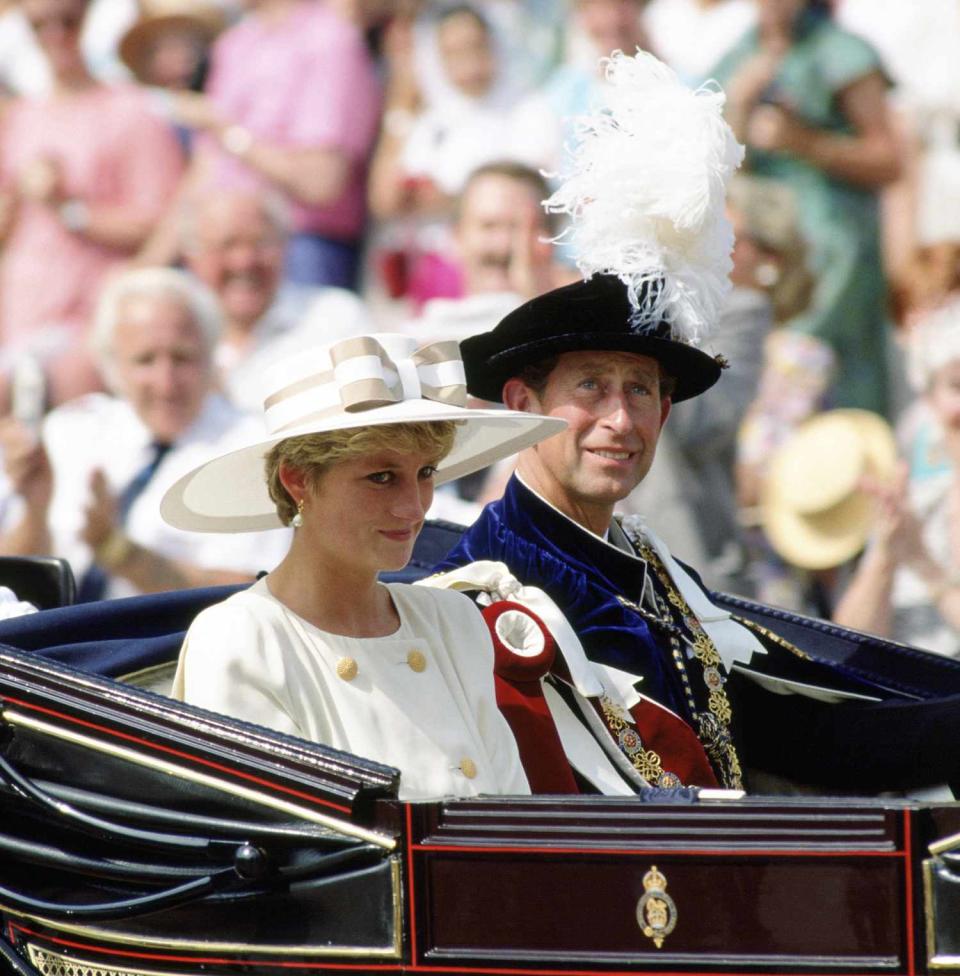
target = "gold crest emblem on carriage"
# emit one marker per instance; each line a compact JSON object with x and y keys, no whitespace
{"x":656,"y":911}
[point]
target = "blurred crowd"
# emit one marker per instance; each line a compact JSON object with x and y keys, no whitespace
{"x":190,"y":189}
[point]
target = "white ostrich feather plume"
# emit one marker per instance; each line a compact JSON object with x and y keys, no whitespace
{"x":646,"y":194}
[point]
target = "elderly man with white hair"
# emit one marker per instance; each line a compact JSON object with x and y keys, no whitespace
{"x":907,"y":583}
{"x":88,"y":488}
{"x":234,"y":242}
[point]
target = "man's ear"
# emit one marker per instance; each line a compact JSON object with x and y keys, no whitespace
{"x":518,"y":396}
{"x":665,"y":404}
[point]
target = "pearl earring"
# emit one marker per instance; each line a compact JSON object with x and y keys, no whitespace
{"x":297,"y":519}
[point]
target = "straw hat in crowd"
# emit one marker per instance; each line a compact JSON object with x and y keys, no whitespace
{"x":814,"y":510}
{"x":158,"y":16}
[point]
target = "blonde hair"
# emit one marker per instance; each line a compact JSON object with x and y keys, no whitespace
{"x":314,"y":454}
{"x":769,"y":212}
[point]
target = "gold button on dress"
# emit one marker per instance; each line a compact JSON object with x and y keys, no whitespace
{"x":347,"y":668}
{"x":469,"y":768}
{"x":417,"y":661}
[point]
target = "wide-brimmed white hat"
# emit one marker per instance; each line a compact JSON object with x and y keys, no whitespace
{"x":814,"y":510}
{"x":362,"y":381}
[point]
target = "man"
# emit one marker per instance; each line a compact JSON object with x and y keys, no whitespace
{"x":648,"y":670}
{"x":572,"y":354}
{"x":502,"y":232}
{"x":502,"y":246}
{"x":88,"y":488}
{"x":502,"y":236}
{"x":234,"y":242}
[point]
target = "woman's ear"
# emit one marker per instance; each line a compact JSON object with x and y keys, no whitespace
{"x":294,"y":479}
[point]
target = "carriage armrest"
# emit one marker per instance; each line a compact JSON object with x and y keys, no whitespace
{"x":44,"y":581}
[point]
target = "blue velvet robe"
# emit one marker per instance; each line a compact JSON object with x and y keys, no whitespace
{"x":908,"y":739}
{"x":583,"y":575}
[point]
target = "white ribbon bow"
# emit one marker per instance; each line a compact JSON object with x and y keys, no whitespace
{"x":365,"y":376}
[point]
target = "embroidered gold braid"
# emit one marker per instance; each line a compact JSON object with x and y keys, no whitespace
{"x":714,"y":730}
{"x":645,"y":761}
{"x":771,"y":636}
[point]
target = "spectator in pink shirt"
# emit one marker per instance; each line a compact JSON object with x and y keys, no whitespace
{"x":85,"y":172}
{"x":293,"y":104}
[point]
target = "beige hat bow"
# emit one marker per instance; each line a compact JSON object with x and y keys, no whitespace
{"x":364,"y":377}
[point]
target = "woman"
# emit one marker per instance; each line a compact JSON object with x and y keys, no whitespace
{"x":319,"y":648}
{"x":291,"y":105}
{"x":809,"y":100}
{"x":907,"y":584}
{"x":84,"y":174}
{"x":425,"y":159}
{"x":168,"y":44}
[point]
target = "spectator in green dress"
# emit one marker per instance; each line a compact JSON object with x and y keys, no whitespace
{"x":809,"y":101}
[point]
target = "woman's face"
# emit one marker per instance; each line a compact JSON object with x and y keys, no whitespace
{"x":174,"y":58}
{"x":56,"y":24}
{"x":365,"y":513}
{"x":611,"y":24}
{"x":779,"y":14}
{"x":467,"y":54}
{"x":945,"y":396}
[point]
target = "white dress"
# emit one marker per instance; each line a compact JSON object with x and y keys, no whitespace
{"x":421,"y":699}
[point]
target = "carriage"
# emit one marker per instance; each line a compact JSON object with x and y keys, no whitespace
{"x":140,"y":835}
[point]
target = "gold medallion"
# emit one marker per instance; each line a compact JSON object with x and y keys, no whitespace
{"x":656,"y":911}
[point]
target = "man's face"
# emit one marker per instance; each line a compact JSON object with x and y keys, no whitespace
{"x":614,"y":409}
{"x":238,"y":252}
{"x":779,"y":14}
{"x":161,"y":365}
{"x":498,"y":215}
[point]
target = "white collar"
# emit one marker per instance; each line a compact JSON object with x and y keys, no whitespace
{"x":733,"y":642}
{"x":605,"y":538}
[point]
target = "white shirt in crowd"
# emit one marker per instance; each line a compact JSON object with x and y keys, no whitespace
{"x":692,"y":36}
{"x":447,"y":143}
{"x":100,"y":431}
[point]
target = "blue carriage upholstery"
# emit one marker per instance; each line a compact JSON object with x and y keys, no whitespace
{"x":117,"y":637}
{"x":112,"y":637}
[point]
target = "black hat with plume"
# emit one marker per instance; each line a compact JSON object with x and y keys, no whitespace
{"x":646,"y":198}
